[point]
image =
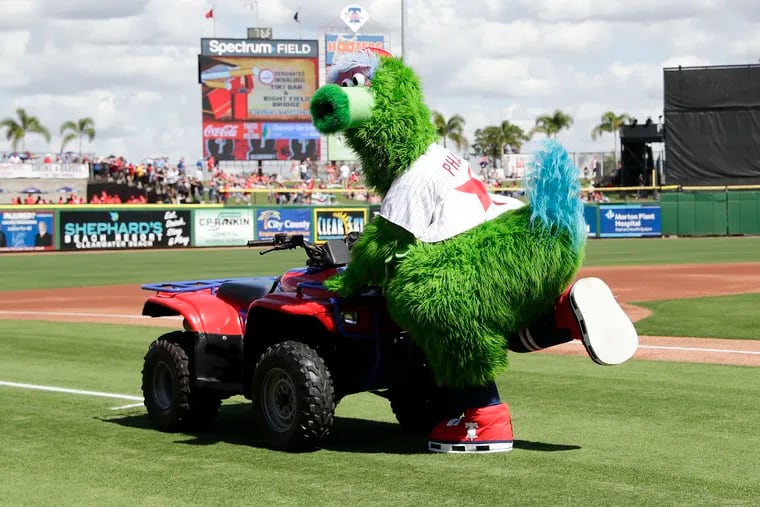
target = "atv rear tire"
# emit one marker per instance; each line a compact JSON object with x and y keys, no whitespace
{"x":293,"y":397}
{"x":418,"y":403}
{"x":172,"y":403}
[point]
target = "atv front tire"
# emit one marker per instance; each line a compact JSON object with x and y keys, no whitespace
{"x":293,"y":397}
{"x":173,"y":405}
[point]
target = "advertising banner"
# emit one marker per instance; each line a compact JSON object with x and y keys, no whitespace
{"x":589,"y":214}
{"x":630,"y":221}
{"x":335,"y":223}
{"x":222,"y":227}
{"x":112,"y":230}
{"x":260,"y":141}
{"x":26,"y":230}
{"x":255,"y":99}
{"x":271,"y":221}
{"x":10,"y":170}
{"x":262,"y":89}
{"x":229,"y":148}
{"x":337,"y":44}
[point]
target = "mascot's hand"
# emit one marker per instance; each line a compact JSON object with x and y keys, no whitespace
{"x":339,"y":284}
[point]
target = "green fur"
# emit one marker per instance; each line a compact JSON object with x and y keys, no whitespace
{"x":400,"y":129}
{"x":460,"y":299}
{"x":370,"y":256}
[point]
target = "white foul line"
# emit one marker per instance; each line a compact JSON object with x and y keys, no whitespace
{"x":697,"y":349}
{"x":131,"y":405}
{"x":684,"y":349}
{"x":65,"y":390}
{"x":81,"y":314}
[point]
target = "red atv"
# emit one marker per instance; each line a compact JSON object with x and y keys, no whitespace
{"x":286,"y":343}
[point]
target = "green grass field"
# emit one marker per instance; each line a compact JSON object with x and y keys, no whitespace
{"x":18,"y":272}
{"x":643,"y":433}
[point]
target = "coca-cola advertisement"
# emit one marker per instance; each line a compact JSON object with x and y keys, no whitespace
{"x":260,"y":141}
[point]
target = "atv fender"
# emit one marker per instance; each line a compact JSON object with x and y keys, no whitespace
{"x":304,"y":307}
{"x":203,"y":312}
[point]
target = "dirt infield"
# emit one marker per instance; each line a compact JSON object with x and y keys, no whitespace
{"x":123,"y":304}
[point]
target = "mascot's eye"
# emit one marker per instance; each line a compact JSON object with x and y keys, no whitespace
{"x":359,"y":79}
{"x":347,"y":82}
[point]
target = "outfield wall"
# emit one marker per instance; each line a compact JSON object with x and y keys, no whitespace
{"x":117,"y":227}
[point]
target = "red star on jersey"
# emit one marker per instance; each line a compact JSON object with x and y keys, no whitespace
{"x":477,"y":187}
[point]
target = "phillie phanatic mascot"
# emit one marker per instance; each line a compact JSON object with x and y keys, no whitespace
{"x":467,"y":273}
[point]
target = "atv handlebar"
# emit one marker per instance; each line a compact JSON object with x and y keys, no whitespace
{"x":260,"y":242}
{"x":319,"y":255}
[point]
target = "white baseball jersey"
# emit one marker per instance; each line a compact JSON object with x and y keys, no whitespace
{"x":438,"y":197}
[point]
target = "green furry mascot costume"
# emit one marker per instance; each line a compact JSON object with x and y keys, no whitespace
{"x":468,"y":274}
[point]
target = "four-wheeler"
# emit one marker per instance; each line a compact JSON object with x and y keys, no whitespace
{"x":286,"y":343}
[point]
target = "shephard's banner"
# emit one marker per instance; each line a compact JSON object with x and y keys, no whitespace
{"x":335,"y":223}
{"x":124,"y":229}
{"x":222,"y":227}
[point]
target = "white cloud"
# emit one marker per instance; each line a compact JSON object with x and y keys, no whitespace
{"x":131,"y":65}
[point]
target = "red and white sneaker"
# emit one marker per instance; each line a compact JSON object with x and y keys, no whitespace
{"x":593,"y":316}
{"x":480,"y":430}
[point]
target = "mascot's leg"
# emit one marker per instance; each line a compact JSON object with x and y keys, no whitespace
{"x":484,"y":427}
{"x":587,"y":311}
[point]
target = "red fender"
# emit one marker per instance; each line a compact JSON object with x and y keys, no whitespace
{"x":202,"y":311}
{"x":304,"y":306}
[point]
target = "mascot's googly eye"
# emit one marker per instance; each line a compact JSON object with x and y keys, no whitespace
{"x":347,"y":82}
{"x":359,"y":79}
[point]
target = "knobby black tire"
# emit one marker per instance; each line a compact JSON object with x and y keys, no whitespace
{"x":180,"y":406}
{"x":418,"y":403}
{"x":312,"y":397}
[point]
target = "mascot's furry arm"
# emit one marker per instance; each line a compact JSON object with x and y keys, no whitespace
{"x":389,"y":132}
{"x":371,"y":257}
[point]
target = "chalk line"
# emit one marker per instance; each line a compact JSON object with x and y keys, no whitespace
{"x":83,"y":314}
{"x":65,"y":390}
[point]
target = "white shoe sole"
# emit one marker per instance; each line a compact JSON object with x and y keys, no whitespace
{"x":608,"y":334}
{"x":466,"y":448}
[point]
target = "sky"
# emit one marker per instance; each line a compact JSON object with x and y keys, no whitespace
{"x":131,"y":65}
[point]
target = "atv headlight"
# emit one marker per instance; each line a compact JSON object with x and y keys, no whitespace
{"x":349,"y":318}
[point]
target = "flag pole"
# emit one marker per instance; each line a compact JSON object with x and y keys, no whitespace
{"x":213,"y":20}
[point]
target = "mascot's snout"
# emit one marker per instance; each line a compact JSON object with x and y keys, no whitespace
{"x":336,"y":108}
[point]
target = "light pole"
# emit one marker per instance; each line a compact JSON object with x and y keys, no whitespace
{"x":403,"y":32}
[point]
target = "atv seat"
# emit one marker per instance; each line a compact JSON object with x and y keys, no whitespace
{"x":242,"y":293}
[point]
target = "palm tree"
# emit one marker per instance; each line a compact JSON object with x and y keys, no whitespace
{"x":83,"y":127}
{"x":552,"y":124}
{"x":16,"y":131}
{"x":495,"y":140}
{"x":453,"y":129}
{"x":513,"y":136}
{"x":611,"y":122}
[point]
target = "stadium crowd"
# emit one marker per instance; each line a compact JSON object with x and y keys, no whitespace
{"x":156,"y":179}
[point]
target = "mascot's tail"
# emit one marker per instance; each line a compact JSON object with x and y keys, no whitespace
{"x":553,"y":186}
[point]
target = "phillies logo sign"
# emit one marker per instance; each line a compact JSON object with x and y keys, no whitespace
{"x":354,"y":16}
